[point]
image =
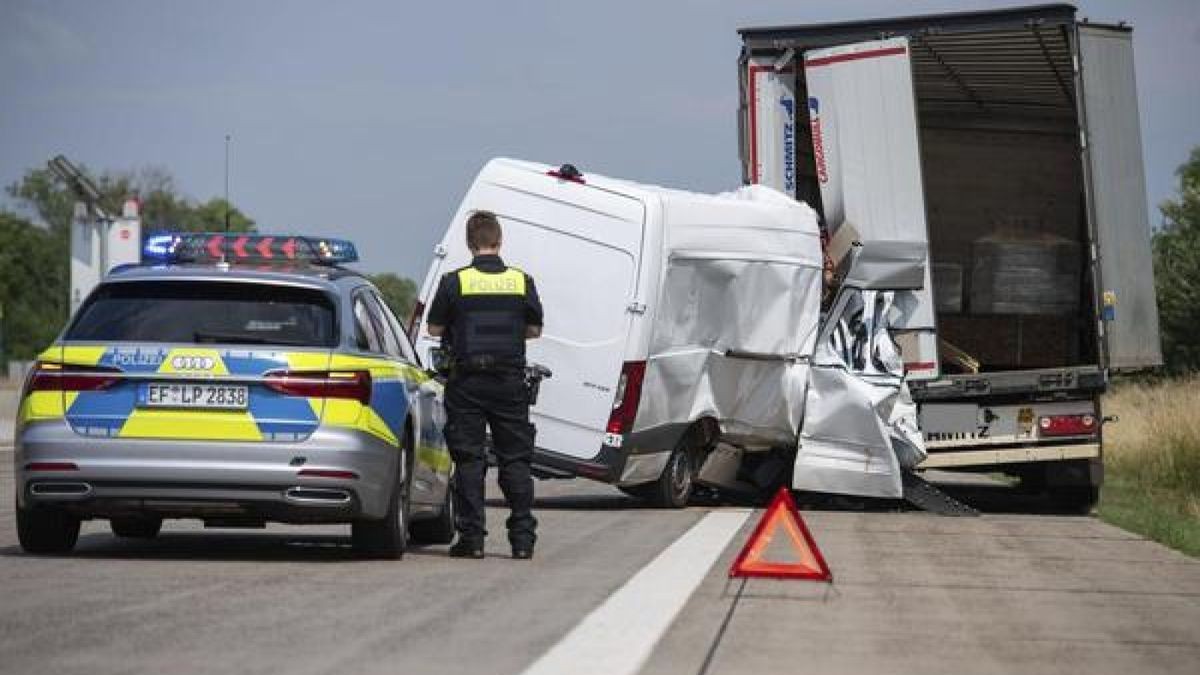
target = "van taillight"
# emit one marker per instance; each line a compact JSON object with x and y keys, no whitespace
{"x":57,"y":377}
{"x":629,"y":394}
{"x":351,"y":384}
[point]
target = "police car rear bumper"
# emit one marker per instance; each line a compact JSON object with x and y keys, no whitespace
{"x":185,"y":478}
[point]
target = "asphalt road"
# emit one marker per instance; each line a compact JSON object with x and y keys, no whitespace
{"x":912,"y":593}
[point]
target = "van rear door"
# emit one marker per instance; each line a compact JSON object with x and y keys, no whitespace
{"x":863,"y":118}
{"x":582,"y":245}
{"x":1116,"y":194}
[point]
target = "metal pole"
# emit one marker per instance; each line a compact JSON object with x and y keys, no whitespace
{"x":227,"y":183}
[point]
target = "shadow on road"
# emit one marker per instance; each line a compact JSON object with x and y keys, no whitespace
{"x":259,"y":546}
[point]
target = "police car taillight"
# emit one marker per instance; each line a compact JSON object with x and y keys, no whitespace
{"x":56,"y":377}
{"x":629,"y":394}
{"x":349,"y":384}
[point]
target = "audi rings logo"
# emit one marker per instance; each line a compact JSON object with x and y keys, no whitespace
{"x":193,"y":362}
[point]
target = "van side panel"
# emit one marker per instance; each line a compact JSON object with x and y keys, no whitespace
{"x":1117,"y":197}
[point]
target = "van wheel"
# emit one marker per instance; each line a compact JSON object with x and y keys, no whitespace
{"x":675,"y":487}
{"x":388,"y":537}
{"x":439,"y":530}
{"x":46,"y":530}
{"x":136,"y":527}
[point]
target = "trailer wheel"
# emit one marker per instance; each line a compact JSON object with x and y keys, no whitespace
{"x":1075,"y":499}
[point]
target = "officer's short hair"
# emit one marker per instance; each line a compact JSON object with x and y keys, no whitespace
{"x":483,"y":231}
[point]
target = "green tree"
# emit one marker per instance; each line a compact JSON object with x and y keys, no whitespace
{"x":400,"y":293}
{"x":1177,"y":271}
{"x":33,"y":287}
{"x":47,"y":197}
{"x":34,"y":256}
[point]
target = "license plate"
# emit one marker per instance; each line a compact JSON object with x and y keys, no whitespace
{"x":188,"y":395}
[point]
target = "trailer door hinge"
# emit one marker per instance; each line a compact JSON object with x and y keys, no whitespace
{"x":636,"y":307}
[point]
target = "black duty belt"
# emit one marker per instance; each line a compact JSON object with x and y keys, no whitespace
{"x":488,"y":363}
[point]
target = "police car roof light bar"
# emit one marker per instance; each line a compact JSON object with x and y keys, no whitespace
{"x":184,"y":247}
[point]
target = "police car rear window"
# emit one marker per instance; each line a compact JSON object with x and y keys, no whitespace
{"x":202,"y":312}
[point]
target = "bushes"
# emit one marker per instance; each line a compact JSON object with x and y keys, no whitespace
{"x":1153,"y":461}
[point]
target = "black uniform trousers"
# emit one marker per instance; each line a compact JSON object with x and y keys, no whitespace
{"x":497,"y":399}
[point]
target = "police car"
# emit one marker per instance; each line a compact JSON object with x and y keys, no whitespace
{"x":237,"y":380}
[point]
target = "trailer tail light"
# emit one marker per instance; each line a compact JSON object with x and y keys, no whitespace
{"x":56,"y":377}
{"x":1067,"y":425}
{"x":351,"y":384}
{"x":629,"y":394}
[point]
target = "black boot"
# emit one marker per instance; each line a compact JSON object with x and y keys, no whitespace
{"x":522,"y":546}
{"x":467,"y":548}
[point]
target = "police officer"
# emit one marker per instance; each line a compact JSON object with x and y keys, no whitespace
{"x":484,"y":313}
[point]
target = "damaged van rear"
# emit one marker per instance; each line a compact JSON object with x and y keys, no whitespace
{"x":679,"y":326}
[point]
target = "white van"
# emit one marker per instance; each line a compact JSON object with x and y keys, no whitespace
{"x":673,"y":319}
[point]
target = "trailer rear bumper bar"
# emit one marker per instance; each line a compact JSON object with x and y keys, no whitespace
{"x":1044,"y":453}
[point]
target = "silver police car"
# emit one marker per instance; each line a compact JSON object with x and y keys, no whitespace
{"x":237,"y":380}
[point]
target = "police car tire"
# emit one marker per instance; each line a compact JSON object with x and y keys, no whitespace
{"x":136,"y":527}
{"x":387,"y":537}
{"x":46,"y":530}
{"x":437,"y":530}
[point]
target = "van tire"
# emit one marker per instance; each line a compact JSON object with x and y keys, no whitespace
{"x":440,"y":529}
{"x":46,"y":530}
{"x":136,"y":527}
{"x":677,"y":484}
{"x":387,"y":538}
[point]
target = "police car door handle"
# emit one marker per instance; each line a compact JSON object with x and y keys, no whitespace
{"x":636,"y":307}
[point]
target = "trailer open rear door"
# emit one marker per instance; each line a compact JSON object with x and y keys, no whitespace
{"x":863,"y":119}
{"x":1116,"y":192}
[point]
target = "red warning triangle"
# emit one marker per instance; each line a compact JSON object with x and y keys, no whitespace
{"x":781,"y":524}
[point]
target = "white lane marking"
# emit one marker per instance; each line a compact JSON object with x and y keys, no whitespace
{"x":618,"y":636}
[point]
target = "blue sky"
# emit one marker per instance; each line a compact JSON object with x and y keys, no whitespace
{"x":369,"y":119}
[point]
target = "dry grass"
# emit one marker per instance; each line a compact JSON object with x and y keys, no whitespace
{"x":1152,"y":459}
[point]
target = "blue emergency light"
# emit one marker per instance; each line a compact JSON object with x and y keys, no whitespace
{"x":258,"y":248}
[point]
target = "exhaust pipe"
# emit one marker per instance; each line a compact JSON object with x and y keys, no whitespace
{"x":318,"y":496}
{"x":59,"y":489}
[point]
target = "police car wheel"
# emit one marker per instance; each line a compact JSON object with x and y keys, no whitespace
{"x":136,"y":527}
{"x":46,"y":530}
{"x":387,"y":537}
{"x":438,"y":530}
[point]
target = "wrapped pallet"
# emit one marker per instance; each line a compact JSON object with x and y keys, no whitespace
{"x":1021,"y":273}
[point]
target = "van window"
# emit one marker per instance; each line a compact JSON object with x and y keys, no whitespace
{"x":191,"y":311}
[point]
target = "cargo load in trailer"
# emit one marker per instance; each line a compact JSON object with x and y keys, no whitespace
{"x":1008,"y":141}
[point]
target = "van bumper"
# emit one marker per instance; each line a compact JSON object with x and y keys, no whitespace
{"x":640,"y":458}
